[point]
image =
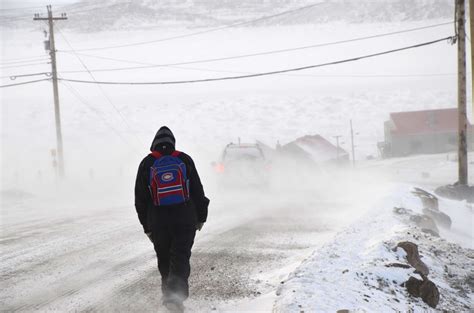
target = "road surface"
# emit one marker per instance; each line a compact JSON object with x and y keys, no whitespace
{"x":78,"y":257}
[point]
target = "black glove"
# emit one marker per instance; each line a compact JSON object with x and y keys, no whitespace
{"x":199,"y":226}
{"x":149,"y":236}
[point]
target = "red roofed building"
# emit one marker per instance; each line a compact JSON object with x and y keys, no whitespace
{"x":420,"y":132}
{"x":315,"y":149}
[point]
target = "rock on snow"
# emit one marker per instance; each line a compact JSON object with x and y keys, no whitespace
{"x":352,"y":272}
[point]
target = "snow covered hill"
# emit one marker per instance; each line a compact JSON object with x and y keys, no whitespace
{"x":91,"y":16}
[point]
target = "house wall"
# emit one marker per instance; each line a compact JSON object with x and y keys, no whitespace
{"x":402,"y":145}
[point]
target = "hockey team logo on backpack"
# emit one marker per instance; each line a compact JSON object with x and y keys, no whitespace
{"x":168,"y":181}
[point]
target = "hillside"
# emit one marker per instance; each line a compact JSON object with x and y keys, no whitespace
{"x":89,"y":16}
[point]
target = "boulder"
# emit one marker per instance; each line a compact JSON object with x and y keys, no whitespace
{"x":413,"y":257}
{"x":425,"y":289}
{"x":429,"y":293}
{"x":413,"y":286}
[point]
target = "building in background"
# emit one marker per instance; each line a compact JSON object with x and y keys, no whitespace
{"x":315,"y":149}
{"x":422,"y":132}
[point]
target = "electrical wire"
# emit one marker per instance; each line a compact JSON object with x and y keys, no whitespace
{"x":101,"y":89}
{"x":248,"y":55}
{"x":151,"y":64}
{"x":199,"y":69}
{"x":23,"y":65}
{"x":264,"y":73}
{"x":24,"y":58}
{"x":13,"y":77}
{"x":20,"y":62}
{"x":14,"y":17}
{"x":242,"y":23}
{"x":294,"y":75}
{"x":25,"y":83}
{"x":415,"y":75}
{"x":81,"y":99}
{"x":273,"y":72}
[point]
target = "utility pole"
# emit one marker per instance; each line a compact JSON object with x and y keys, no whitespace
{"x":462,"y":116}
{"x":52,"y":53}
{"x":471,"y":16}
{"x":352,"y":145}
{"x":337,"y":147}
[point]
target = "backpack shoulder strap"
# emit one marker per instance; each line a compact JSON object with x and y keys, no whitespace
{"x":156,"y":154}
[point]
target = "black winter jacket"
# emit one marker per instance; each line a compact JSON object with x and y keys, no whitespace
{"x":192,"y":212}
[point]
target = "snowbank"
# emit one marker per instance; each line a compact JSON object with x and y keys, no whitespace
{"x":351,"y":272}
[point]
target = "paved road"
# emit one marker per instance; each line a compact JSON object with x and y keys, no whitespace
{"x":99,"y":259}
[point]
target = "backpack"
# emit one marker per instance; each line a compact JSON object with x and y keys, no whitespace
{"x":168,"y":180}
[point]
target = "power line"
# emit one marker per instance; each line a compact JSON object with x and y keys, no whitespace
{"x":150,"y":64}
{"x":248,"y":55}
{"x":13,"y":77}
{"x":206,"y":31}
{"x":199,"y":69}
{"x":25,"y":83}
{"x":81,"y":99}
{"x":273,"y":72}
{"x":16,"y":62}
{"x":300,"y":75}
{"x":264,"y":73}
{"x":23,"y":65}
{"x":375,"y":75}
{"x":101,"y":89}
{"x":413,"y":75}
{"x":24,"y":58}
{"x":14,"y":17}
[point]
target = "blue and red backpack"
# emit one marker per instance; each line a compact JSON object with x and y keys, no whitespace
{"x":169,"y":183}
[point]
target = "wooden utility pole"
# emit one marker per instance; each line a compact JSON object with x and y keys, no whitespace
{"x":52,"y":53}
{"x":471,"y":16}
{"x":462,"y":116}
{"x":352,"y":146}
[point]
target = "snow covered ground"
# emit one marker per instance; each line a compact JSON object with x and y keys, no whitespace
{"x":351,"y":271}
{"x":92,"y":254}
{"x":80,"y":237}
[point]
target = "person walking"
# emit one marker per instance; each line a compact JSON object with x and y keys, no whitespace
{"x":171,"y":206}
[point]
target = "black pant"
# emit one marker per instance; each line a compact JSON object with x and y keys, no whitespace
{"x":173,"y":243}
